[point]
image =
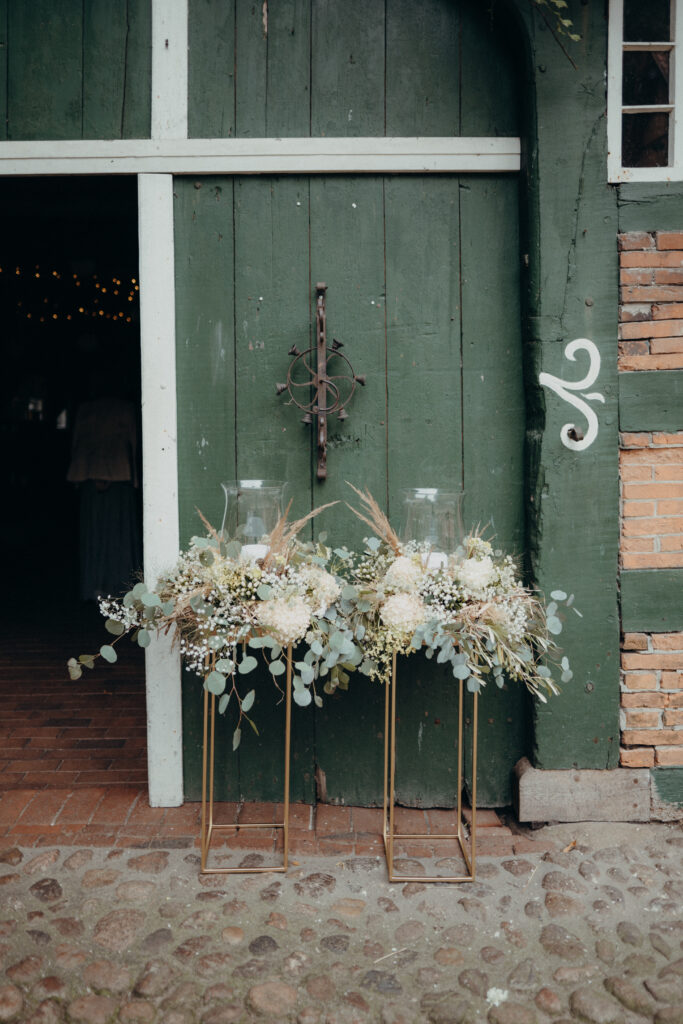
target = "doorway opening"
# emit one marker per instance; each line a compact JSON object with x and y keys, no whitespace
{"x":69,"y":296}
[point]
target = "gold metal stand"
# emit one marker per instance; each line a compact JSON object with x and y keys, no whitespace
{"x":390,"y":836}
{"x":208,"y":826}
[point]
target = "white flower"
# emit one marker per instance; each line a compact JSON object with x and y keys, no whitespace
{"x":475,"y":574}
{"x":403,"y":574}
{"x":403,"y":612}
{"x":324,"y":588}
{"x":285,"y":618}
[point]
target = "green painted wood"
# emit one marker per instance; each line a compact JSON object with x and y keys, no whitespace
{"x":137,"y":100}
{"x":652,"y":600}
{"x":347,"y":67}
{"x":205,"y":320}
{"x":211,"y":69}
{"x":649,"y":206}
{"x":651,"y":400}
{"x":3,"y":67}
{"x":669,"y":785}
{"x":251,"y":83}
{"x":288,"y":100}
{"x":45,"y":70}
{"x":105,"y":37}
{"x":272,"y":313}
{"x":493,"y":417}
{"x":572,"y":292}
{"x":423,"y":68}
{"x":347,"y":252}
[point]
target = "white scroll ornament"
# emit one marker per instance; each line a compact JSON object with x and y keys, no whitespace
{"x":571,"y":436}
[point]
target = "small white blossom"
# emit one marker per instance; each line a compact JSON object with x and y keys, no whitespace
{"x":287,"y":619}
{"x":323,"y":588}
{"x":402,"y":574}
{"x":476,"y":574}
{"x":403,"y":612}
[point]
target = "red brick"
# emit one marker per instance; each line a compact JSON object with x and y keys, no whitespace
{"x":669,"y":239}
{"x":640,"y":681}
{"x":645,"y":737}
{"x":652,"y":293}
{"x":670,"y":508}
{"x":672,"y":361}
{"x":635,"y":240}
{"x":668,"y":275}
{"x":330,"y":819}
{"x":649,"y":527}
{"x":636,"y":277}
{"x":669,"y":344}
{"x":637,"y":757}
{"x":674,"y":700}
{"x":652,"y":490}
{"x":635,"y":313}
{"x":651,"y":259}
{"x":639,"y":719}
{"x":637,"y":509}
{"x":667,"y":311}
{"x":14,"y":804}
{"x":634,"y":348}
{"x":665,"y":757}
{"x":674,"y":717}
{"x":658,"y":329}
{"x":644,"y":700}
{"x":673,"y":543}
{"x":412,"y":820}
{"x":637,"y":544}
{"x":670,"y":661}
{"x":188,"y":815}
{"x":672,"y":680}
{"x":486,"y":818}
{"x":669,"y":473}
{"x":80,"y":807}
{"x":631,"y":440}
{"x":668,"y":641}
{"x":659,"y":437}
{"x":634,"y":642}
{"x":494,"y":845}
{"x":116,"y":807}
{"x":366,"y":819}
{"x":45,"y":807}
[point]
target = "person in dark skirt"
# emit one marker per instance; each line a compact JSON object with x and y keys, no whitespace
{"x":104,"y":466}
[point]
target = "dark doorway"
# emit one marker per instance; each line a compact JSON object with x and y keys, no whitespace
{"x":69,"y":300}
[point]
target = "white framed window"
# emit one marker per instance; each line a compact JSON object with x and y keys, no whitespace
{"x":645,"y":91}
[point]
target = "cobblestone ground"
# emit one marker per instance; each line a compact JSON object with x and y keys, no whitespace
{"x":591,"y":932}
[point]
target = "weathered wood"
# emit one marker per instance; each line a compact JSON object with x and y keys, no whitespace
{"x":288,"y":99}
{"x":651,"y":600}
{"x":3,"y":67}
{"x":251,"y":66}
{"x":649,"y":206}
{"x":668,"y":788}
{"x":211,"y":69}
{"x":105,"y":37}
{"x":45,"y":70}
{"x":137,"y":99}
{"x":581,"y":794}
{"x":423,"y":68}
{"x":205,"y":322}
{"x":651,"y":400}
{"x":347,"y":67}
{"x":272,"y":313}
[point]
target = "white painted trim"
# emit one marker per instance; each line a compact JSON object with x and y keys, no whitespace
{"x":614,"y":75}
{"x":261,"y":156}
{"x":160,"y":475}
{"x":169,"y":69}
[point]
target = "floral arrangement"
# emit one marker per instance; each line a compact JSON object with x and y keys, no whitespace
{"x":469,"y":609}
{"x":342,"y":613}
{"x":222,"y":605}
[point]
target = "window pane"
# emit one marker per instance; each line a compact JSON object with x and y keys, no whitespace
{"x":645,"y":140}
{"x":647,"y":21}
{"x":646,"y":77}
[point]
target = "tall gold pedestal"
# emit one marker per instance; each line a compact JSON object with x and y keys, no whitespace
{"x":208,"y":826}
{"x":390,"y":835}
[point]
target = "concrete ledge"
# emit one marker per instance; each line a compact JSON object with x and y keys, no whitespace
{"x":620,"y":794}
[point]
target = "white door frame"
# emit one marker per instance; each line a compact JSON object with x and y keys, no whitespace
{"x":155,"y":161}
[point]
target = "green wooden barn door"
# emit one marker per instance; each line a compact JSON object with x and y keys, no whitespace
{"x":423,"y":291}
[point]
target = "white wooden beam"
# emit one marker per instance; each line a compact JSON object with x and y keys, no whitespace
{"x":169,"y":69}
{"x":262,"y":156}
{"x":160,"y":475}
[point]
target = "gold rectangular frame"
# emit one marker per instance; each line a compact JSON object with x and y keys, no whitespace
{"x":208,"y":826}
{"x":389,"y":834}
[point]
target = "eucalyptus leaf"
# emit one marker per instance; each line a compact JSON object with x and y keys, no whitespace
{"x":302,"y":697}
{"x":264,"y":592}
{"x":233,"y":549}
{"x":225,"y":665}
{"x":128,"y":599}
{"x":114,"y":627}
{"x":558,"y":595}
{"x":256,"y":641}
{"x":236,"y":737}
{"x":277,"y":668}
{"x":544,"y":671}
{"x":474,"y":684}
{"x":88,"y":660}
{"x":317,"y":648}
{"x":247,"y":664}
{"x":215,"y":683}
{"x":167,"y":607}
{"x":151,"y":600}
{"x":318,"y":701}
{"x":349,"y":593}
{"x":307,"y":674}
{"x":144,"y":638}
{"x":75,"y":670}
{"x":108,"y":653}
{"x":223,"y":703}
{"x":567,"y":675}
{"x":139,"y":589}
{"x":206,"y":557}
{"x":373,"y":543}
{"x":554,"y":625}
{"x":248,"y":700}
{"x":461,"y":671}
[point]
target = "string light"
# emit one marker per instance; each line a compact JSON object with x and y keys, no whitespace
{"x":58,"y":302}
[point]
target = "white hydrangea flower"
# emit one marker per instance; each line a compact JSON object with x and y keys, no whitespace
{"x":403,"y":574}
{"x":285,"y":618}
{"x":476,"y":574}
{"x":403,"y":612}
{"x":324,"y":588}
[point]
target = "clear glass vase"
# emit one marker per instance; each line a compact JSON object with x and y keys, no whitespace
{"x":433,"y":517}
{"x":252,"y":508}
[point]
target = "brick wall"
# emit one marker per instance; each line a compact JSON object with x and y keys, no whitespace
{"x":651,"y":469}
